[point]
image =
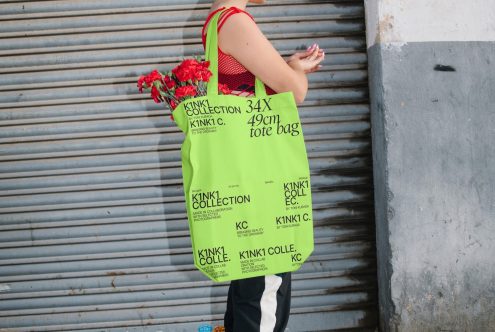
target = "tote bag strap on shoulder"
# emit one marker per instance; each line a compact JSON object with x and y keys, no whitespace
{"x":212,"y":56}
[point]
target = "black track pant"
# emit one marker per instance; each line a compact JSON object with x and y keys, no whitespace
{"x":259,"y":304}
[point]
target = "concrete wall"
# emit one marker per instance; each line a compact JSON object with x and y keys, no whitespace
{"x":432,"y":86}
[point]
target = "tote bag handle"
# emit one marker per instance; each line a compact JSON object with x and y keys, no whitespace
{"x":212,"y":56}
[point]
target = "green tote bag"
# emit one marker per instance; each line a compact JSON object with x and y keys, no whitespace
{"x":246,"y":179}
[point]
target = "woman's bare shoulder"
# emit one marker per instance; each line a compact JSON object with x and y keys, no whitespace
{"x":236,"y":28}
{"x":241,"y":38}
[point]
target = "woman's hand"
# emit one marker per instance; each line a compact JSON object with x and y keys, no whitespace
{"x":308,"y":61}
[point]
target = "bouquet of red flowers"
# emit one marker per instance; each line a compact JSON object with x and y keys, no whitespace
{"x":187,"y":80}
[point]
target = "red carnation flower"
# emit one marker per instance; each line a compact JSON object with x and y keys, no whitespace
{"x":186,"y":80}
{"x":173,"y":104}
{"x":202,"y":71}
{"x":155,"y":94}
{"x":153,"y":76}
{"x":190,"y":63}
{"x":140,"y":84}
{"x":146,"y":81}
{"x":202,"y":74}
{"x":185,"y":71}
{"x":169,"y":82}
{"x":187,"y":90}
{"x":224,"y":89}
{"x":183,"y":74}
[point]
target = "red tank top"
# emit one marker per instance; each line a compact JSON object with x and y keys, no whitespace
{"x":231,"y":71}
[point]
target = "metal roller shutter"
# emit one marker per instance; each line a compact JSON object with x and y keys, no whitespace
{"x":94,"y":233}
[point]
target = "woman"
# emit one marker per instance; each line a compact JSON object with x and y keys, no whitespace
{"x":260,"y":303}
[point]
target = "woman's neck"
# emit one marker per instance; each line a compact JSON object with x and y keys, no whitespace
{"x":241,"y":4}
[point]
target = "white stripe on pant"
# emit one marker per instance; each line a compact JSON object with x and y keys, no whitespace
{"x":268,"y":303}
{"x":259,"y":304}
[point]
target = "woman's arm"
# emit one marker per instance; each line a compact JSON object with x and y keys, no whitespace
{"x":241,"y":38}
